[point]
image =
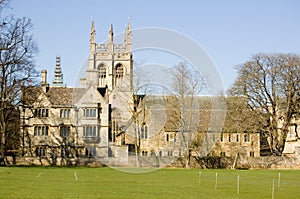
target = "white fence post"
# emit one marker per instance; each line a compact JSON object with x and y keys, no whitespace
{"x":238,"y":184}
{"x":273,"y":188}
{"x":216,"y":185}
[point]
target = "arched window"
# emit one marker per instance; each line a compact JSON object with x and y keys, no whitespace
{"x":115,"y":125}
{"x":144,"y":131}
{"x":114,"y":132}
{"x":102,"y":74}
{"x":102,"y":70}
{"x":119,"y":74}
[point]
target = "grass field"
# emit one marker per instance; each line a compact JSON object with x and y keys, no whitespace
{"x":81,"y":182}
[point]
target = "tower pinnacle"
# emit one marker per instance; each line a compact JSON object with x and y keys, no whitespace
{"x":110,"y":34}
{"x":111,"y":39}
{"x":128,"y":37}
{"x":92,"y":36}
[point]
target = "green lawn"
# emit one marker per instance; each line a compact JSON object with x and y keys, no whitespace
{"x":81,"y":182}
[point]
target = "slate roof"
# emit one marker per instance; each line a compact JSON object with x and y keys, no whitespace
{"x":207,"y":119}
{"x":30,"y":94}
{"x":62,"y":96}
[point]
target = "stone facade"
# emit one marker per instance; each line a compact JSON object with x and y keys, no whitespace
{"x":237,"y":144}
{"x":58,"y":121}
{"x":292,"y":144}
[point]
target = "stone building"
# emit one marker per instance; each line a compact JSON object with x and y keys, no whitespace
{"x":240,"y":136}
{"x":104,"y":119}
{"x":85,"y":120}
{"x":292,"y":143}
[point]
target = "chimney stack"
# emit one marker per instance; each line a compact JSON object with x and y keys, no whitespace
{"x":45,"y":85}
{"x":44,"y":77}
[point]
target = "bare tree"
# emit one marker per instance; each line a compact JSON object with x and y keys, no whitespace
{"x":17,"y":50}
{"x":4,"y":3}
{"x":138,"y":109}
{"x":184,"y":106}
{"x":240,"y":119}
{"x":270,"y":83}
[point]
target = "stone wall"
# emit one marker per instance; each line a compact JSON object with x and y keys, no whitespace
{"x":268,"y":162}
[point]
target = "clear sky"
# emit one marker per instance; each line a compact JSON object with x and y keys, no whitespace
{"x":230,"y":31}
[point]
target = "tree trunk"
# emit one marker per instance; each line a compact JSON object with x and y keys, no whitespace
{"x":188,"y":160}
{"x":2,"y":150}
{"x":235,"y":161}
{"x":137,"y":157}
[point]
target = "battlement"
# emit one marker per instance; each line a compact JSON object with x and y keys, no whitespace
{"x":104,"y":48}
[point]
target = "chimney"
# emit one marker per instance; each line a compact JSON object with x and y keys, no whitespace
{"x":44,"y":77}
{"x":45,"y":85}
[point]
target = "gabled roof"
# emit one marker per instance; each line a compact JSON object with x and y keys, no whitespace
{"x":56,"y":95}
{"x":60,"y":95}
{"x":78,"y":93}
{"x":30,"y":94}
{"x":206,"y":116}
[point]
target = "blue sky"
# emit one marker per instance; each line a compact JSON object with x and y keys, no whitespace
{"x":230,"y":31}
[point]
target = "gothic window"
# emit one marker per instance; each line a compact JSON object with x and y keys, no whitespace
{"x":102,"y":74}
{"x":144,"y":132}
{"x":90,"y":112}
{"x":41,"y":113}
{"x":65,"y":131}
{"x":41,"y":130}
{"x":119,"y":74}
{"x":115,"y":131}
{"x":90,"y":131}
{"x":115,"y":125}
{"x":64,"y":113}
{"x":40,"y":151}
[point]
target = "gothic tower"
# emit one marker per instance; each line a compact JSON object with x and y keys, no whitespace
{"x":110,"y":65}
{"x":109,"y":75}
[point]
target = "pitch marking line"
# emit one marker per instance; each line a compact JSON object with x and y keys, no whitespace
{"x":39,"y":175}
{"x":75,"y":174}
